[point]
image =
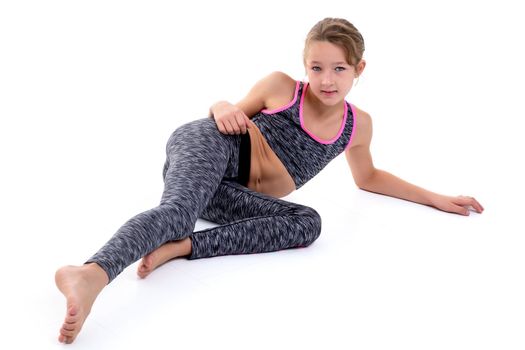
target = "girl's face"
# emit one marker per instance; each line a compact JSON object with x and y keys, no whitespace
{"x":329,"y":75}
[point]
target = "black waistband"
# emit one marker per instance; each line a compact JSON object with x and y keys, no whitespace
{"x":244,"y":159}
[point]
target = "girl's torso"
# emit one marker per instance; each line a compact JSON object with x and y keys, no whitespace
{"x":288,"y":146}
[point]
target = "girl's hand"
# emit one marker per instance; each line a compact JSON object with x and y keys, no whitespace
{"x":230,"y":119}
{"x":459,"y":205}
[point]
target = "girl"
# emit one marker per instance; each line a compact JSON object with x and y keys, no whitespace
{"x":232,"y":167}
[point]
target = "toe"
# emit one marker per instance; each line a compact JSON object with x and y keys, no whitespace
{"x":72,"y":312}
{"x":148,"y":260}
{"x":69,"y":326}
{"x":66,"y":333}
{"x":141,"y":270}
{"x":71,"y":319}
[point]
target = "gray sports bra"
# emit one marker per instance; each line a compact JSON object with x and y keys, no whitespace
{"x":303,"y":154}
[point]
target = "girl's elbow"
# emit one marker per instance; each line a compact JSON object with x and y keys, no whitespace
{"x":361,"y":183}
{"x":362,"y":186}
{"x":365,"y":182}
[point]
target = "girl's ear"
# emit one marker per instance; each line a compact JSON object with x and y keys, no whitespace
{"x":361,"y":67}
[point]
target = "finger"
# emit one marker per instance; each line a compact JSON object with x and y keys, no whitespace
{"x":221,"y":127}
{"x":235,"y":124}
{"x":241,"y":122}
{"x":235,"y":128}
{"x":228,"y":127}
{"x":469,"y":202}
{"x":479,"y":208}
{"x":248,"y":121}
{"x":462,"y":210}
{"x":459,"y":209}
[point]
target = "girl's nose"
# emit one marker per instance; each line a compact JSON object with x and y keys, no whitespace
{"x":327,"y":79}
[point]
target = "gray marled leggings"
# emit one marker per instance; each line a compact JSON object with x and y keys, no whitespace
{"x":199,"y":177}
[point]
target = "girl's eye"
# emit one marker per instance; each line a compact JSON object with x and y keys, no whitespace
{"x":340,"y":69}
{"x":316,"y":69}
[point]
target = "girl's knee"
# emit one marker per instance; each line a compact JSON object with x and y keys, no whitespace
{"x":190,"y":128}
{"x":312,"y":223}
{"x":199,"y":132}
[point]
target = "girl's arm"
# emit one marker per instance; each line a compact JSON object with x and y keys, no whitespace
{"x":368,"y":178}
{"x":235,"y":118}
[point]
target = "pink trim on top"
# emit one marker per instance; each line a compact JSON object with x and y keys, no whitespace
{"x":354,"y":126}
{"x":325,"y":142}
{"x":290,"y":104}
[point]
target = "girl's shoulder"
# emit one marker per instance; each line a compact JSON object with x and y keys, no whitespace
{"x":281,"y":79}
{"x":282,"y":90}
{"x":362,"y":127}
{"x":360,"y":115}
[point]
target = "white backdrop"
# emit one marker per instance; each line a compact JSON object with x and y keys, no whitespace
{"x":90,"y":92}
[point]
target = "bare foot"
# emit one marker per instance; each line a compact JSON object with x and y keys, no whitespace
{"x":81,"y":286}
{"x":163,"y":254}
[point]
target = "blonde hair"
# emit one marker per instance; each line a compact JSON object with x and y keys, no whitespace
{"x":340,"y":32}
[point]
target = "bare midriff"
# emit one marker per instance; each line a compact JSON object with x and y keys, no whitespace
{"x":268,"y":175}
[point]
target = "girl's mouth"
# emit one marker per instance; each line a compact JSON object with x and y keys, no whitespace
{"x":329,"y":93}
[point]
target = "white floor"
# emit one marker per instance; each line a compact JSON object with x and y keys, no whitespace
{"x":90,"y":94}
{"x":384,"y":274}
